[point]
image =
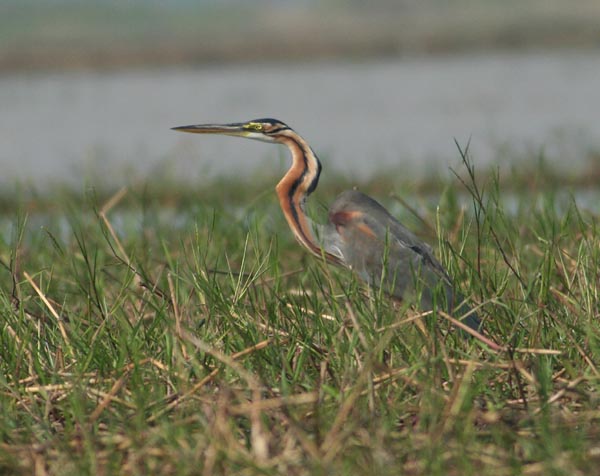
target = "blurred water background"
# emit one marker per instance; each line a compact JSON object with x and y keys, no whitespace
{"x":90,"y":90}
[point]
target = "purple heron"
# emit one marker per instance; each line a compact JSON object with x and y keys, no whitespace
{"x":360,"y":234}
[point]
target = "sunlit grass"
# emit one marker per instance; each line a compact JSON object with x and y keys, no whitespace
{"x":193,"y":336}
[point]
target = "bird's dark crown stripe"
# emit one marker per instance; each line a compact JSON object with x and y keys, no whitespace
{"x":278,"y":129}
{"x":269,"y":120}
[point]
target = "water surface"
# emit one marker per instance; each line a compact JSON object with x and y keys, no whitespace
{"x":359,"y":117}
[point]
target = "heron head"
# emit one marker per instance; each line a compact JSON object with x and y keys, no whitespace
{"x":265,"y":129}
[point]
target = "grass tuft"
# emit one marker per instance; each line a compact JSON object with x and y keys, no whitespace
{"x":140,"y":337}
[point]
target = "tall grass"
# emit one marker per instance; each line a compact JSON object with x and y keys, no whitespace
{"x":139,"y":338}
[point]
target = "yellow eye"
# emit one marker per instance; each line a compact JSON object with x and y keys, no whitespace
{"x":255,"y":126}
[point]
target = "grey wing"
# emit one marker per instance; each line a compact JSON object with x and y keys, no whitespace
{"x":384,"y":253}
{"x":409,"y":265}
{"x":431,"y":276}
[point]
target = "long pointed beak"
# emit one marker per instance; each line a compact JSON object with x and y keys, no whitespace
{"x":235,"y":129}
